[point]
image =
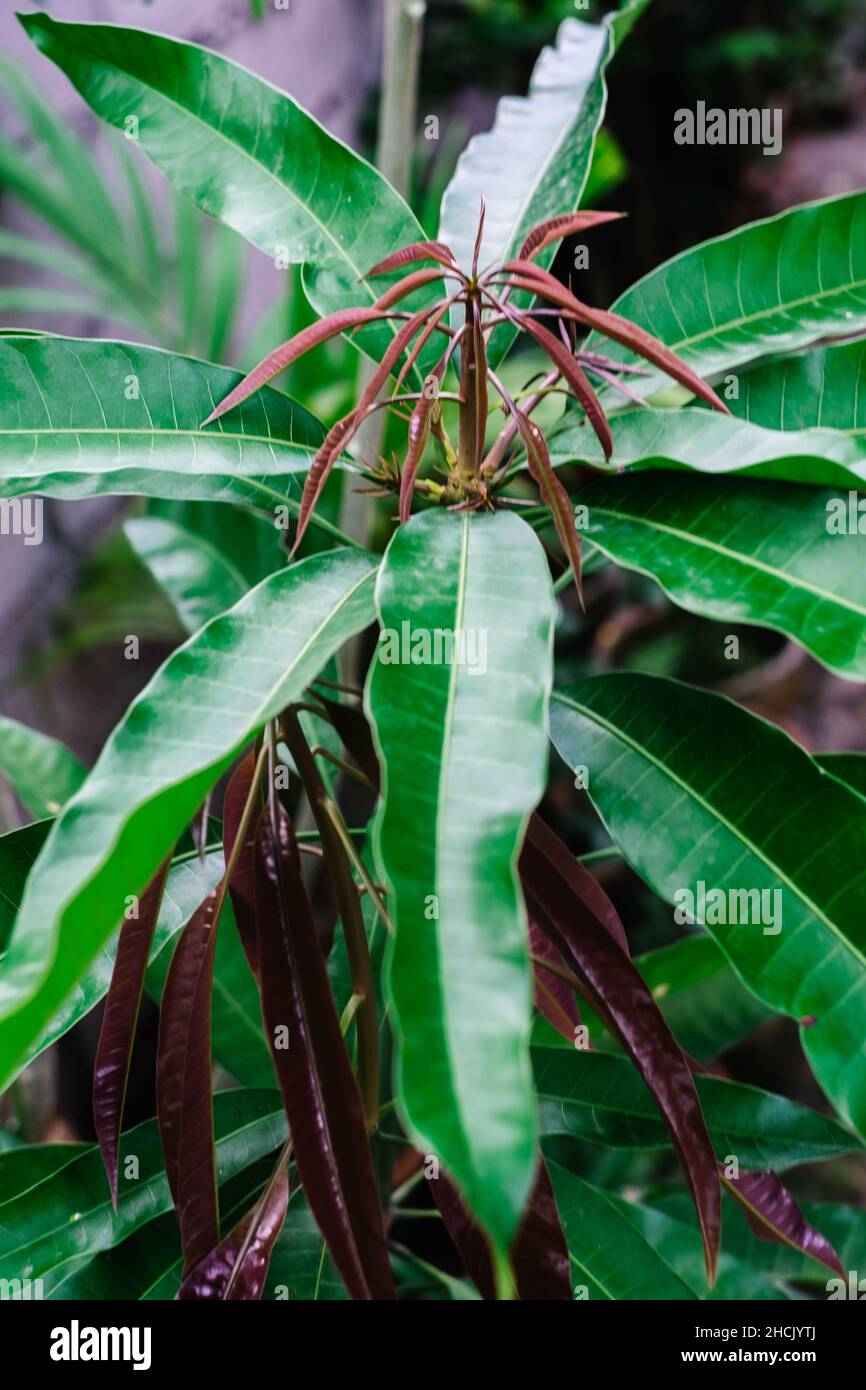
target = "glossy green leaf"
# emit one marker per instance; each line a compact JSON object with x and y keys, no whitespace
{"x":706,"y":442}
{"x":178,"y":737}
{"x":243,"y":152}
{"x":534,"y":163}
{"x":821,"y":389}
{"x":198,"y":581}
{"x":80,"y":418}
{"x":695,"y":790}
{"x":70,"y":1214}
{"x":609,"y":1258}
{"x":27,"y":1165}
{"x":43,"y":771}
{"x":463,"y":765}
{"x":850,"y":768}
{"x":768,"y":287}
{"x":741,"y":552}
{"x":601,"y":1097}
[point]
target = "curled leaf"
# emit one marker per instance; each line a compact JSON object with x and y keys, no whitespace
{"x":567,"y":224}
{"x":409,"y":255}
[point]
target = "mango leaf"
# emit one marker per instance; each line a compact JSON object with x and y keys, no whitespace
{"x":301,"y":1267}
{"x":806,"y":391}
{"x":69,"y":1214}
{"x":238,"y":1267}
{"x":198,"y":581}
{"x":678,"y":1245}
{"x":693,"y":789}
{"x":320,"y":1093}
{"x":26,"y":1165}
{"x":42,"y":770}
{"x":850,"y":768}
{"x":463,"y":766}
{"x":539,"y":1258}
{"x":769,"y":287}
{"x":706,"y":442}
{"x":243,"y":152}
{"x":774,"y":1216}
{"x":534,"y":163}
{"x":81,"y":419}
{"x":609,"y":1258}
{"x":213,"y":695}
{"x":741,"y":552}
{"x":600,"y":1097}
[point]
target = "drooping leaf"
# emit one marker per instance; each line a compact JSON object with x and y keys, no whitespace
{"x":539,"y":1258}
{"x":553,"y":996}
{"x":70,"y":1214}
{"x":320,"y":1093}
{"x":741,"y":552}
{"x":773,"y":1215}
{"x":600,"y":1097}
{"x":198,"y":581}
{"x":534,"y":163}
{"x":564,"y":902}
{"x":693,"y":790}
{"x":212,"y":695}
{"x":114,"y":1050}
{"x":243,"y":152}
{"x":238,"y":1267}
{"x":183,"y":1082}
{"x":609,"y":1259}
{"x":43,"y":771}
{"x":767,"y":288}
{"x":462,"y":769}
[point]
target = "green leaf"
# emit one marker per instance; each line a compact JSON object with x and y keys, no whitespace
{"x":806,"y":391}
{"x":695,"y":790}
{"x":769,"y":287}
{"x":679,"y":1245}
{"x":707,"y":442}
{"x":609,"y":1258}
{"x":245,"y":153}
{"x":463,"y":766}
{"x":601,"y":1098}
{"x":24,"y":1167}
{"x":186,"y":728}
{"x":535,"y":162}
{"x":79,"y":419}
{"x":43,"y":771}
{"x":848,"y":767}
{"x":69,"y":1213}
{"x":704,"y":1003}
{"x":741,"y":552}
{"x":198,"y":581}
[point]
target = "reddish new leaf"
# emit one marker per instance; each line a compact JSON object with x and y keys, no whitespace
{"x":416,"y":281}
{"x":116,"y":1037}
{"x":343,"y":431}
{"x":539,"y":1256}
{"x":419,"y":433}
{"x":552,"y":995}
{"x":553,"y":493}
{"x":242,"y":886}
{"x":275,"y":362}
{"x":567,"y":224}
{"x":773,"y":1215}
{"x":326,"y":1118}
{"x":619,"y":993}
{"x":530,"y":277}
{"x":183,"y":1082}
{"x":576,"y":378}
{"x":409,"y":255}
{"x":238,"y":1267}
